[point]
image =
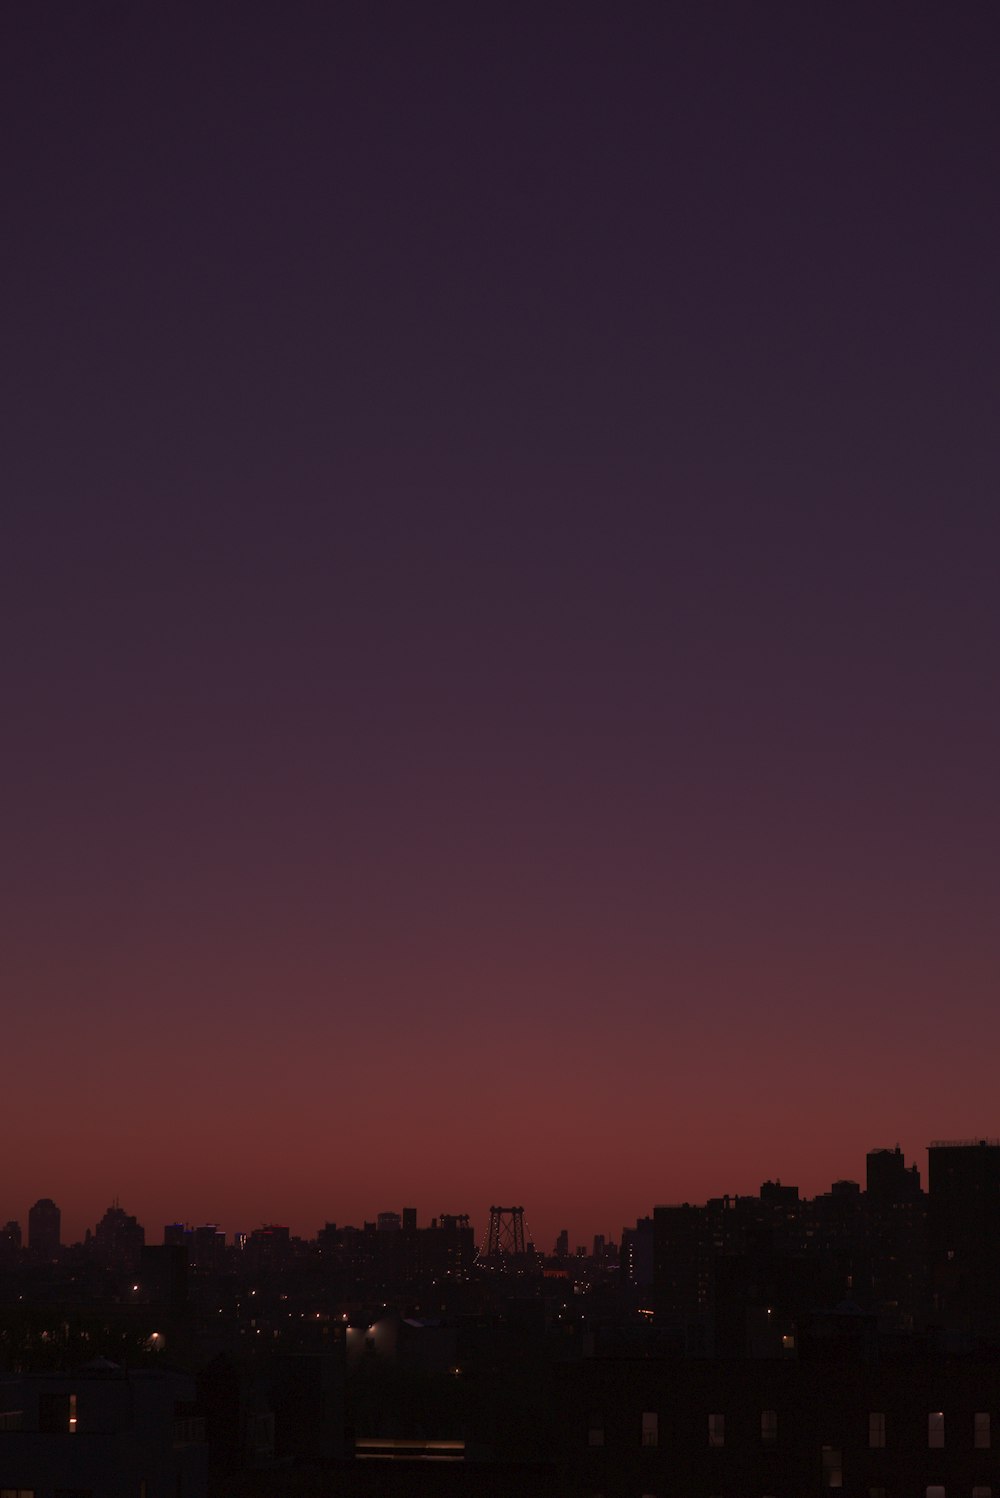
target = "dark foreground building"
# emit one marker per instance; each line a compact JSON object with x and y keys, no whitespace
{"x":101,"y":1432}
{"x":964,"y":1237}
{"x":766,"y":1429}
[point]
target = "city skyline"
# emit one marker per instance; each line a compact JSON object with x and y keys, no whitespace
{"x":539,"y":1220}
{"x":761,"y":1342}
{"x":498,"y":582}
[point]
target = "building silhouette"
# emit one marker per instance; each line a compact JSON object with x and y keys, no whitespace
{"x":637,"y":1254}
{"x":44,"y":1228}
{"x":118,"y":1240}
{"x":10,"y":1242}
{"x":888,"y":1178}
{"x":963,"y":1237}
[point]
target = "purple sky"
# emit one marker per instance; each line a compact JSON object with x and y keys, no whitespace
{"x":499,"y":583}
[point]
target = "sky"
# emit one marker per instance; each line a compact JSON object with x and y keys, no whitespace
{"x":498,"y":581}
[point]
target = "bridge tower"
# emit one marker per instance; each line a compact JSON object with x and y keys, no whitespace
{"x":506,"y":1236}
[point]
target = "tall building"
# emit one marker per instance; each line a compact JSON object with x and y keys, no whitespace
{"x":118,"y":1240}
{"x":896,"y":1212}
{"x":963,"y":1235}
{"x":637,"y":1253}
{"x":10,"y":1242}
{"x":207,"y":1249}
{"x":268,"y":1247}
{"x":682,"y":1274}
{"x":44,"y":1228}
{"x":888,"y":1178}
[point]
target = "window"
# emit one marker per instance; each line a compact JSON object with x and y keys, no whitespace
{"x":982,"y":1492}
{"x":769,"y":1427}
{"x":17,"y":1493}
{"x":72,"y":1414}
{"x":935,"y":1491}
{"x":833,"y":1471}
{"x":876,"y":1429}
{"x":981,"y":1431}
{"x":876,"y":1493}
{"x":717,"y":1430}
{"x":935,"y":1431}
{"x":595,"y":1430}
{"x":650,"y":1428}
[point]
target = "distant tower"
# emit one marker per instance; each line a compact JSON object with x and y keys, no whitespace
{"x":506,"y":1235}
{"x":44,"y":1228}
{"x":10,"y":1242}
{"x":118,"y":1240}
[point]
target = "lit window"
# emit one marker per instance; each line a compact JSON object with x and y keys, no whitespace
{"x":717,"y":1430}
{"x":788,"y":1342}
{"x":769,"y":1427}
{"x":982,"y":1492}
{"x":935,"y":1430}
{"x":72,"y":1414}
{"x":650,"y":1428}
{"x":876,"y":1429}
{"x":935,"y":1491}
{"x":833,"y":1471}
{"x":876,"y":1493}
{"x":981,"y":1431}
